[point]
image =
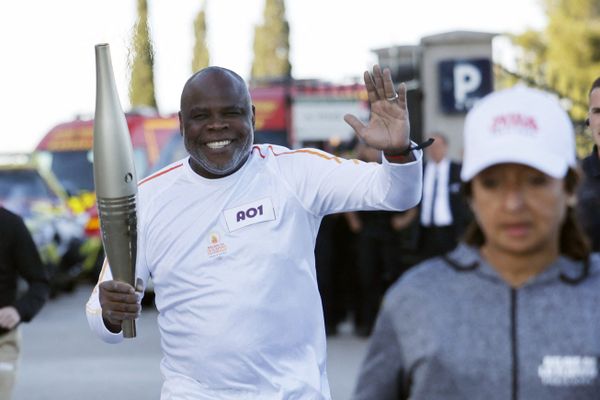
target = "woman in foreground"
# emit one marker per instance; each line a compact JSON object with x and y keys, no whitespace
{"x":514,"y":311}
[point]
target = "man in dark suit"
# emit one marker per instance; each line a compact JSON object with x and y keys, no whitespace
{"x":443,"y":210}
{"x":589,"y":191}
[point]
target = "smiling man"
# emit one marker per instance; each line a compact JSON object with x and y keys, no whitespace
{"x":217,"y":122}
{"x":228,"y":234}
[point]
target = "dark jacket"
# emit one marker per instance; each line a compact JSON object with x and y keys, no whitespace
{"x":589,"y":198}
{"x":19,"y":258}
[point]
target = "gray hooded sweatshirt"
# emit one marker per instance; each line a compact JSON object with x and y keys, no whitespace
{"x":451,"y":328}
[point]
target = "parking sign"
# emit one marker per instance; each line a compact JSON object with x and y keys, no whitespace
{"x":463,"y":82}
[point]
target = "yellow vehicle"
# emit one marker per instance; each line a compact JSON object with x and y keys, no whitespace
{"x":39,"y":199}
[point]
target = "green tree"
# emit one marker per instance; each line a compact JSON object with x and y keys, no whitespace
{"x":530,"y":62}
{"x":200,"y":57}
{"x":271,"y":44}
{"x":141,"y":58}
{"x":565,"y":56}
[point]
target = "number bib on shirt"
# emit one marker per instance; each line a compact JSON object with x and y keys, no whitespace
{"x":248,"y":214}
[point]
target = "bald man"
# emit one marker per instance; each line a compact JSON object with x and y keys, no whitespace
{"x":228,"y":234}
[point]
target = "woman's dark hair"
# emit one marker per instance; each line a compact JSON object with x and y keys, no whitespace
{"x":573,"y":242}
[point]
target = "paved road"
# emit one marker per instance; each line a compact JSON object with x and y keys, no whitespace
{"x":62,"y":360}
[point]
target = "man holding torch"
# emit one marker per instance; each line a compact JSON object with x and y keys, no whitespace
{"x":227,"y":236}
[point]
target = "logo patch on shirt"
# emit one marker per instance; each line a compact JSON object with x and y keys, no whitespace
{"x":215,"y":247}
{"x":568,"y":370}
{"x":248,"y":214}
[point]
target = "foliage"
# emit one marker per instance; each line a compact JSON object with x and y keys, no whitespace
{"x":141,"y":57}
{"x":565,"y":57}
{"x":573,"y":51}
{"x":271,"y":44}
{"x":200,"y":57}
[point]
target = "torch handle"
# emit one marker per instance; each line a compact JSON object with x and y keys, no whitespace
{"x":128,"y":328}
{"x":118,"y":220}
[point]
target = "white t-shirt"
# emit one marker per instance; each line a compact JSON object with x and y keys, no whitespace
{"x":232,"y":262}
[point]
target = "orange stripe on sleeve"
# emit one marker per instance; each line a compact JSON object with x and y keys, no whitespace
{"x":307,"y":151}
{"x":159,"y":174}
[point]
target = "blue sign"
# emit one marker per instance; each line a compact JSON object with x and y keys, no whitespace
{"x":463,"y":82}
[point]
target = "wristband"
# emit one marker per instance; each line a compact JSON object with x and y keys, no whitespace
{"x":410,"y":148}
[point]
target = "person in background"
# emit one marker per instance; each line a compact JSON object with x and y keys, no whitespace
{"x":228,"y":235}
{"x":19,"y":258}
{"x":512,"y":312}
{"x":443,"y":212}
{"x":377,"y":252}
{"x":589,"y":193}
{"x":334,"y":268}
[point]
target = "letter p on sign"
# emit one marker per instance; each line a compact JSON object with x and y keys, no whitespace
{"x":467,"y":79}
{"x":463,"y":82}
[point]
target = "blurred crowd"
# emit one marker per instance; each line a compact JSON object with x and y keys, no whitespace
{"x":360,"y":254}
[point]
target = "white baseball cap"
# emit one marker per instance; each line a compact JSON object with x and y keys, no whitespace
{"x":518,"y":125}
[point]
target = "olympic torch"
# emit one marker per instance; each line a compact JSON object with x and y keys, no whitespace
{"x":114,"y":177}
